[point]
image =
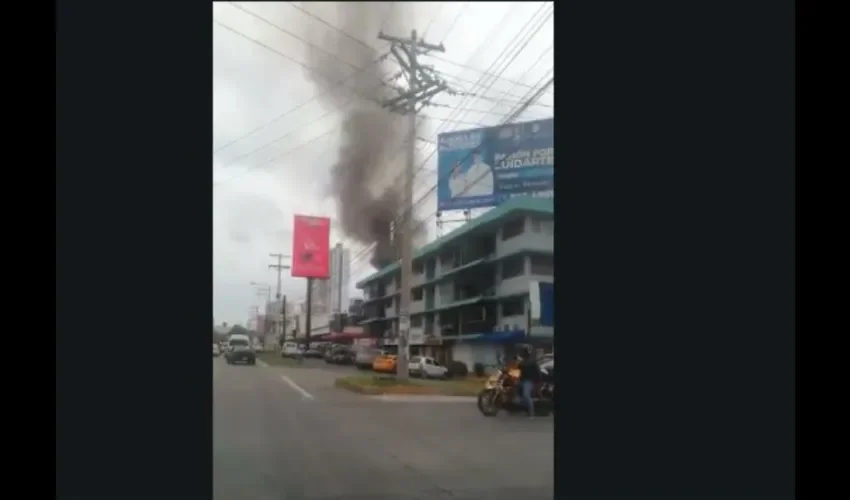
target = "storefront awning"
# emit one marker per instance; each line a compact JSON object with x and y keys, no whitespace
{"x":497,"y":337}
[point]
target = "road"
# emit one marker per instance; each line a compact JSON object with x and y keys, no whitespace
{"x":287,"y":434}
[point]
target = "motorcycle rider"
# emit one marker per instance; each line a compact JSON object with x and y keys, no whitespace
{"x":529,"y":375}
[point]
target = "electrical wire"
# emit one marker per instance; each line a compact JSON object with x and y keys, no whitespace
{"x":319,"y":95}
{"x":435,"y":56}
{"x":487,"y":73}
{"x":484,"y":78}
{"x":517,"y":112}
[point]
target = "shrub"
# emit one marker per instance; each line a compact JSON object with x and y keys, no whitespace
{"x":457,"y":369}
{"x":479,"y":369}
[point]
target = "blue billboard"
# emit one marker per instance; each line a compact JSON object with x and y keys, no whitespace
{"x":486,"y":166}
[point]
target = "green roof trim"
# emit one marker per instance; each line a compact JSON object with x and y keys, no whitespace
{"x":510,"y":207}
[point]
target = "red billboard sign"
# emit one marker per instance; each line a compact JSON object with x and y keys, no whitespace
{"x":311,"y":241}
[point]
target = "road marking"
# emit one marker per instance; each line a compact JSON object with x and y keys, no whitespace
{"x":297,"y":387}
{"x":262,"y":363}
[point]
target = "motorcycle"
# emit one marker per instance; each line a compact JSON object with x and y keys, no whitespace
{"x":501,"y":392}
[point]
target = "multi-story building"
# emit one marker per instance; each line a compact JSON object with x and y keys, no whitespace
{"x":339,"y":270}
{"x":470,"y":288}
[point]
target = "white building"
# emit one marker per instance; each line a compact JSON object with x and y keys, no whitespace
{"x":339,"y":279}
{"x":470,"y":288}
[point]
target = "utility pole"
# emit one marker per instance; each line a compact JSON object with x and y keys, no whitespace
{"x":423,"y":85}
{"x":279,"y":267}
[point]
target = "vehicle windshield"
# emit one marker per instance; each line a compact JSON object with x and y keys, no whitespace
{"x":239,"y":343}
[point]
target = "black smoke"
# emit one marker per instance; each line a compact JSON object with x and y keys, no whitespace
{"x":366,"y":176}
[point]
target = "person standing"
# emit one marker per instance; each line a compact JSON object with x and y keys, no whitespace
{"x":529,"y":375}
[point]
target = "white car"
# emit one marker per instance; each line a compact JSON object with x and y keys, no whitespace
{"x":427,"y":367}
{"x":291,"y":350}
{"x":216,"y":350}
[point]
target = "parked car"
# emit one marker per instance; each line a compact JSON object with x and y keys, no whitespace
{"x":216,"y":350}
{"x":290,"y":350}
{"x":313,"y":353}
{"x":239,"y":350}
{"x":426,"y":367}
{"x":385,"y":363}
{"x":328,"y":353}
{"x":365,"y":357}
{"x":342,"y":356}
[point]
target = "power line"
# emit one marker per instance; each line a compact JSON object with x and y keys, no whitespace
{"x":293,"y":35}
{"x":517,"y":112}
{"x":512,"y":53}
{"x":304,"y":103}
{"x":435,"y":56}
{"x":483,"y":79}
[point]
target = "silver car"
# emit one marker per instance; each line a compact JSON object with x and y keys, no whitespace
{"x":364,"y":358}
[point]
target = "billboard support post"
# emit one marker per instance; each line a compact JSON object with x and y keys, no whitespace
{"x":424,"y":85}
{"x":308,"y":320}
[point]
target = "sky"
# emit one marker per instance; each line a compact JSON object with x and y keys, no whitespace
{"x":274,"y":140}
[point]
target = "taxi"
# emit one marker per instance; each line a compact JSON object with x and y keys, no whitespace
{"x":385,"y":363}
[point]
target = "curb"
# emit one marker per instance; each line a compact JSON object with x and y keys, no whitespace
{"x":415,"y":391}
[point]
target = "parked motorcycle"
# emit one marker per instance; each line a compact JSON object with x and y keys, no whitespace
{"x":501,"y":392}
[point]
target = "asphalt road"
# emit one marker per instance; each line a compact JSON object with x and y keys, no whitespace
{"x":287,"y":434}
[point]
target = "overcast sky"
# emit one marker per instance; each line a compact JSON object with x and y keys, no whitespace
{"x":265,"y":171}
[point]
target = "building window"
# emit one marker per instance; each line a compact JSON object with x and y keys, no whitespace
{"x":513,"y":307}
{"x":512,"y":267}
{"x":418,"y":268}
{"x":416,"y":321}
{"x":416,"y":294}
{"x":513,"y":228}
{"x":447,"y":261}
{"x":542,"y":265}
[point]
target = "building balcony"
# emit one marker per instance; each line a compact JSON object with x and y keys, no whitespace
{"x":513,"y":286}
{"x":525,"y":242}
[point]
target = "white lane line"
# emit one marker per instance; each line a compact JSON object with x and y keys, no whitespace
{"x":297,"y":387}
{"x":262,"y":363}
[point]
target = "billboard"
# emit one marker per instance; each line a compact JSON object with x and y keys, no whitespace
{"x":310,"y":247}
{"x":486,"y":166}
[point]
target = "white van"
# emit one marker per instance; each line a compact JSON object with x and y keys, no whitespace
{"x":239,"y":350}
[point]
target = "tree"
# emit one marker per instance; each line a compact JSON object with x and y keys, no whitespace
{"x":238,"y":330}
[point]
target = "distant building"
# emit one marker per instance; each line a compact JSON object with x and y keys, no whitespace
{"x":470,"y":288}
{"x":339,"y":279}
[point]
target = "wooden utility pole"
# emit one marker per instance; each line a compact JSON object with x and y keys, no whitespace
{"x":423,"y":85}
{"x":280,"y":267}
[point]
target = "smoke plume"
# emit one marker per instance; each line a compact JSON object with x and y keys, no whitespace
{"x":366,"y":176}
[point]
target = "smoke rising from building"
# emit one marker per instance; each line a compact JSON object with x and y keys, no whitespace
{"x":366,"y":176}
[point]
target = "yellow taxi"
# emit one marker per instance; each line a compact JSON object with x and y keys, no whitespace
{"x":385,"y":363}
